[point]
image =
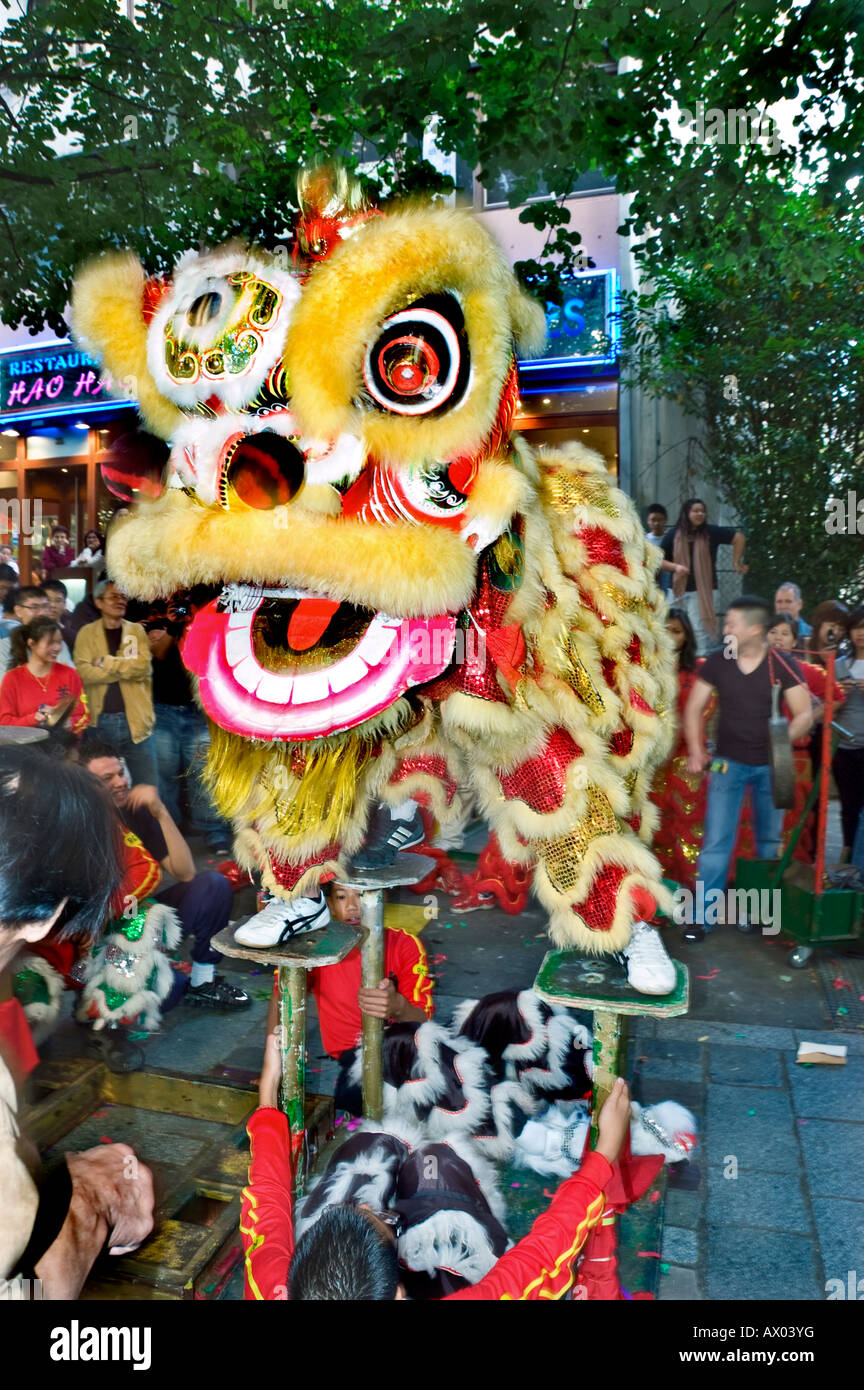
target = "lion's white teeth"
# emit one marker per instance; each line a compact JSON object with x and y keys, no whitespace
{"x":346,"y":672}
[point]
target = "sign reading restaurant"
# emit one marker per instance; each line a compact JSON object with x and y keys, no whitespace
{"x":53,"y":379}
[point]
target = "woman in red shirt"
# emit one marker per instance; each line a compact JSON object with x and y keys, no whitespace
{"x":38,"y":689}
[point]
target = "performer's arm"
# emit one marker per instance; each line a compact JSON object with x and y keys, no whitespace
{"x":407,"y":998}
{"x":694,"y":726}
{"x":542,"y":1264}
{"x":266,"y":1217}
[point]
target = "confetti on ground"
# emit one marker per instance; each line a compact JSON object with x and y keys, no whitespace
{"x":448,"y":926}
{"x":137,"y":1037}
{"x":655,"y":1197}
{"x":714,"y":973}
{"x":99,"y":1114}
{"x":704,"y":1039}
{"x":353,"y":1124}
{"x":751,"y":1112}
{"x":803,"y":1122}
{"x":105,"y":1139}
{"x":438,"y":960}
{"x":648,"y":1254}
{"x":515,"y":1184}
{"x":547,"y":1193}
{"x":840,"y":983}
{"x":740,"y":1035}
{"x":786,"y":979}
{"x":842,"y":1011}
{"x":664,"y":1269}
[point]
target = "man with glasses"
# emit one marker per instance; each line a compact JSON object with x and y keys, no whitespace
{"x":113,"y":660}
{"x":27,"y":603}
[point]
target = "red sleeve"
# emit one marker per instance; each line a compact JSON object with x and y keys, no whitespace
{"x":266,"y":1217}
{"x":541,"y":1265}
{"x":405,"y":957}
{"x":79,"y":715}
{"x":9,"y":706}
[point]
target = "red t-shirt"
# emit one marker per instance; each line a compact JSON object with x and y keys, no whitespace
{"x":335,"y":988}
{"x":21,"y":695}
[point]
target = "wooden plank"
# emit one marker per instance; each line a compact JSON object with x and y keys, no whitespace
{"x":176,"y":1094}
{"x":579,"y":981}
{"x":327,"y":946}
{"x":71,"y":1101}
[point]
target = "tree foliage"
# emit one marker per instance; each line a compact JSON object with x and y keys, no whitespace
{"x":772,"y":362}
{"x":187,"y":123}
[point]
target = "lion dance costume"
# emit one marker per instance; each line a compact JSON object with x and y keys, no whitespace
{"x":410,"y":600}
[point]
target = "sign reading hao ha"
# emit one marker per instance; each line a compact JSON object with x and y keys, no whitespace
{"x":57,"y":379}
{"x":582,"y":329}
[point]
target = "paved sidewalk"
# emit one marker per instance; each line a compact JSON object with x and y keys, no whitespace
{"x":773,"y":1205}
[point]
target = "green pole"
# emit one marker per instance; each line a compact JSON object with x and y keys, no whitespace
{"x":610,"y":1036}
{"x":372,"y":973}
{"x":292,"y":1017}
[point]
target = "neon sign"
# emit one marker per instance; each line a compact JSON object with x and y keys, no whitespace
{"x":582,"y":330}
{"x":53,"y":379}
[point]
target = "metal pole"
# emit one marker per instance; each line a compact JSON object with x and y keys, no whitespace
{"x":610,"y":1036}
{"x":824,"y":775}
{"x":372,"y":973}
{"x":292,"y":1017}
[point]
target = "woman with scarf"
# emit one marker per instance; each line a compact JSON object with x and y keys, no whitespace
{"x":693,"y":543}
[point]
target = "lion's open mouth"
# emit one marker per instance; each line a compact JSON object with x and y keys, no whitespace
{"x":281,"y":663}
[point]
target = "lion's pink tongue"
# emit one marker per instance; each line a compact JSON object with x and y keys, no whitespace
{"x":309,"y":622}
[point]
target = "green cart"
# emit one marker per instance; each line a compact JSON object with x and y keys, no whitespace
{"x":812,"y":912}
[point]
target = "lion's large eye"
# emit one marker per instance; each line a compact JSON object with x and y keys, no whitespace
{"x":263,"y":470}
{"x":420,"y":361}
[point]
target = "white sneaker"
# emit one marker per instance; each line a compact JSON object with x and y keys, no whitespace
{"x":649,"y":969}
{"x":278,"y":921}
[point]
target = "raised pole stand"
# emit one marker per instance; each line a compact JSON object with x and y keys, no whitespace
{"x":597,"y":983}
{"x":327,"y":946}
{"x":370,"y":884}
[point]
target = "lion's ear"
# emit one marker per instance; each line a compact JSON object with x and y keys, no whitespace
{"x":108,"y":320}
{"x":529,"y":322}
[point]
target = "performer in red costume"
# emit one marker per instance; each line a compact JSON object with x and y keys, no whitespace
{"x":365,"y":1264}
{"x":677,"y":794}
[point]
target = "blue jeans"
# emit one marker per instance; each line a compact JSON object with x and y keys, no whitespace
{"x":140,"y":757}
{"x":726,"y":792}
{"x":182,"y":740}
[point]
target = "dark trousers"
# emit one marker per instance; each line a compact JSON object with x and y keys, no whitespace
{"x":204,"y":907}
{"x":848,"y":769}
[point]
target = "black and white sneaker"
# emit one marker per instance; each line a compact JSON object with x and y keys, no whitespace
{"x":218,"y":994}
{"x":386,"y":837}
{"x":278,"y":921}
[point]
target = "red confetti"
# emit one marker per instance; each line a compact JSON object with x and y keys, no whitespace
{"x":655,"y":1197}
{"x":438,"y":960}
{"x":99,"y":1114}
{"x":546,"y":1192}
{"x":714,"y":973}
{"x":840,"y":983}
{"x":649,"y":1254}
{"x":105,"y":1139}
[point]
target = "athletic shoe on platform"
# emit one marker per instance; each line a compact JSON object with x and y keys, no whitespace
{"x":218,"y":994}
{"x":386,"y":837}
{"x":649,"y":969}
{"x":278,"y":921}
